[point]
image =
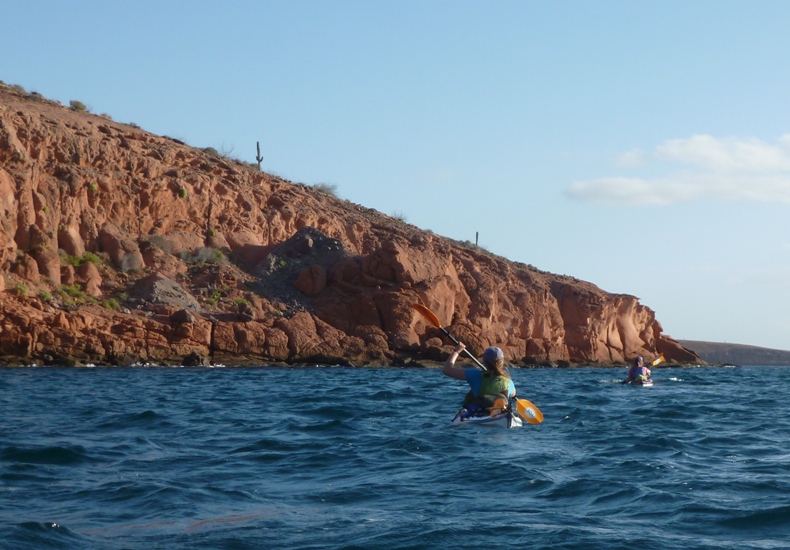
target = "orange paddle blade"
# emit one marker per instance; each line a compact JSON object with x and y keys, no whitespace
{"x":528,"y":411}
{"x":428,"y":314}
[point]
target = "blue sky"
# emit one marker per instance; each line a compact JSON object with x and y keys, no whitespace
{"x":641,"y":146}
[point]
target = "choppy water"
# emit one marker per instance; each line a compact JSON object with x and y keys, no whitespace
{"x":147,"y":458}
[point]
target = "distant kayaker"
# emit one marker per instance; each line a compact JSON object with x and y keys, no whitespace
{"x":486,"y":386}
{"x":638,"y":373}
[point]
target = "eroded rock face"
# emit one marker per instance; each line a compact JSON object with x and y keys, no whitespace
{"x":120,"y":246}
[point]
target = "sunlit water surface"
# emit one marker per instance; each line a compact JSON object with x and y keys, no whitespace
{"x":147,"y":458}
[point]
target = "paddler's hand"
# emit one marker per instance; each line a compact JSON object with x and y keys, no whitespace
{"x":449,"y":367}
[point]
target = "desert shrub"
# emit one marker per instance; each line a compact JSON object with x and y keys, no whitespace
{"x":44,"y":295}
{"x":326,"y":188}
{"x":78,"y":105}
{"x":74,"y":291}
{"x":111,"y":303}
{"x":182,"y":193}
{"x":207,"y":255}
{"x":213,"y":298}
{"x":400,"y":216}
{"x":20,"y":290}
{"x":95,"y":259}
{"x":161,"y":243}
{"x":76,"y":261}
{"x":203,"y":255}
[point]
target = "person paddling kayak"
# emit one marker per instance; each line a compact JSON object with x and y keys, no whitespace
{"x":639,"y":373}
{"x":486,"y":386}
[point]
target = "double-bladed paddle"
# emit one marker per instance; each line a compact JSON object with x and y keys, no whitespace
{"x":428,"y":314}
{"x":526,"y":409}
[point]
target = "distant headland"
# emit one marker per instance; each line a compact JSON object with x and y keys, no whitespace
{"x":737,"y":354}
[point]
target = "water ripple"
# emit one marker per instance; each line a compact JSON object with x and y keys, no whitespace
{"x":145,"y":458}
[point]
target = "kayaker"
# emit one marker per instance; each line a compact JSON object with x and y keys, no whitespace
{"x":638,"y":373}
{"x":486,"y":386}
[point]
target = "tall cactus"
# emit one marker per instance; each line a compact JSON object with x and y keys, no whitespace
{"x":259,"y":158}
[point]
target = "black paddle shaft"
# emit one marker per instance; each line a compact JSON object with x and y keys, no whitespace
{"x":472,"y":357}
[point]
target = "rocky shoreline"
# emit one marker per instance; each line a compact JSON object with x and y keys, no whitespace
{"x":121,"y":247}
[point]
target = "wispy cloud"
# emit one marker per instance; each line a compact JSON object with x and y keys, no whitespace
{"x":700,"y":167}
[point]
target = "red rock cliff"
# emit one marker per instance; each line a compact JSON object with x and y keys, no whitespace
{"x":120,"y":246}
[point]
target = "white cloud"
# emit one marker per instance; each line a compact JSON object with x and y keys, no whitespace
{"x":731,"y":154}
{"x":712,"y":168}
{"x":634,"y":157}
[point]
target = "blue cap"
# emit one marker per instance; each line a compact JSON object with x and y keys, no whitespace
{"x":492,"y":354}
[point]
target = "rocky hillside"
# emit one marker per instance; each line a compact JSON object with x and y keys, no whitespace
{"x":119,"y":246}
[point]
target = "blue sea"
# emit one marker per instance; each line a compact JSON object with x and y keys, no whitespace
{"x":355,"y":458}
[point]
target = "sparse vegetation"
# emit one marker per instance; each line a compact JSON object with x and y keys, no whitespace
{"x":111,"y":303}
{"x":20,"y":290}
{"x":182,"y":193}
{"x":74,"y":291}
{"x":161,"y":243}
{"x":203,"y":255}
{"x":212,"y":233}
{"x":95,"y":259}
{"x":93,"y":187}
{"x":44,"y":295}
{"x":76,"y":261}
{"x":326,"y":188}
{"x":400,"y":216}
{"x":213,"y":298}
{"x":226,"y":152}
{"x":78,"y":106}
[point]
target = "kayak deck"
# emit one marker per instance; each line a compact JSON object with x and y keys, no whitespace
{"x":644,"y":384}
{"x":506,"y":419}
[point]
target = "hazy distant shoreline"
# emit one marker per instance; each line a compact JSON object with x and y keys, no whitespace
{"x":737,"y":354}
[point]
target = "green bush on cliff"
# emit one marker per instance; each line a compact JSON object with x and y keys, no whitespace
{"x":44,"y":295}
{"x":20,"y":290}
{"x":74,"y":291}
{"x":77,"y":261}
{"x":213,"y":298}
{"x":95,"y":259}
{"x":78,"y":105}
